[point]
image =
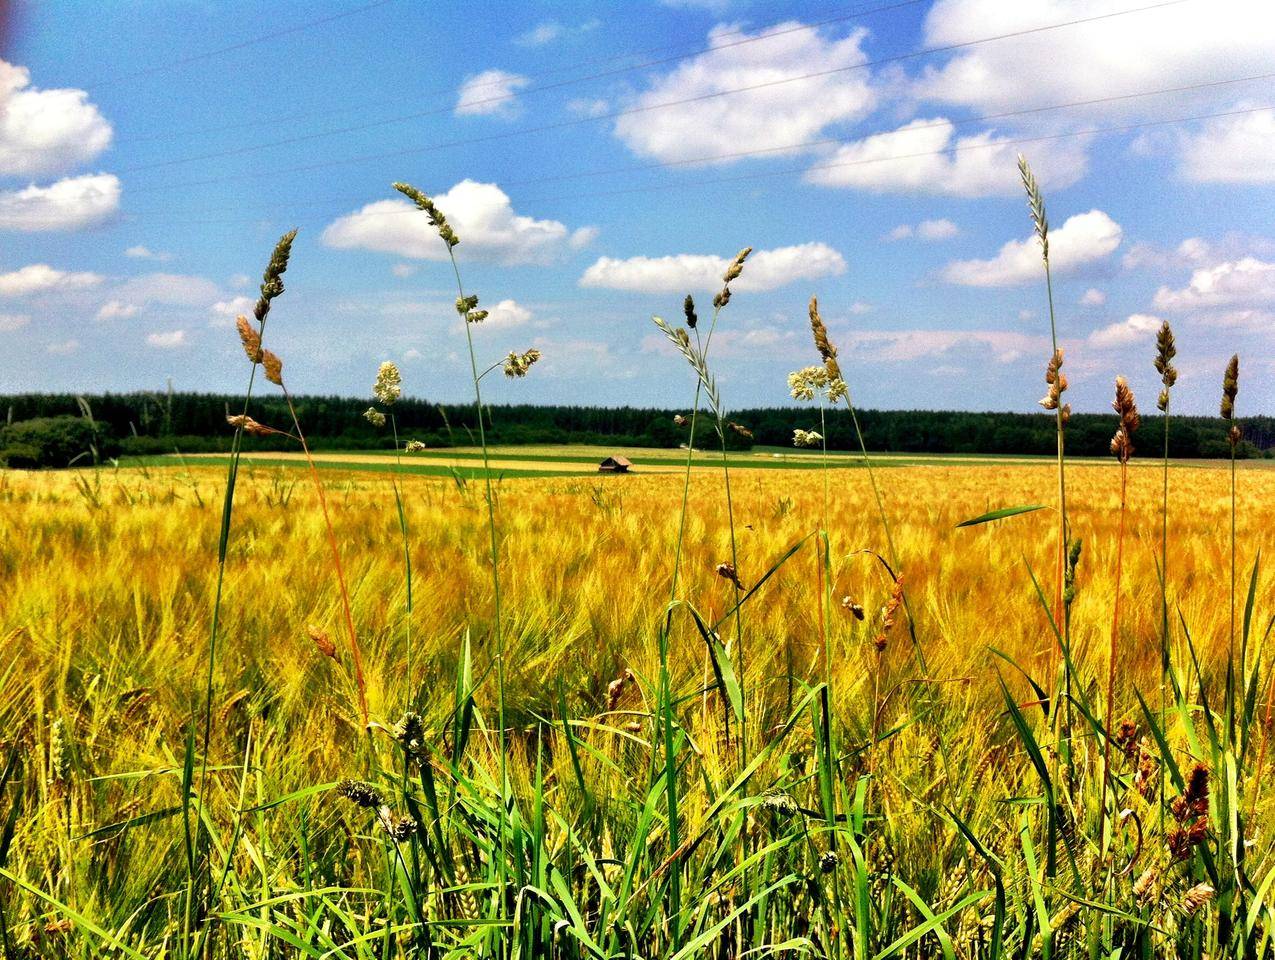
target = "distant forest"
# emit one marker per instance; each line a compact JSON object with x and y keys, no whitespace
{"x":150,"y":423}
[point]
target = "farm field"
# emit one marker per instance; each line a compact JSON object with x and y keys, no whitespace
{"x":109,"y":584}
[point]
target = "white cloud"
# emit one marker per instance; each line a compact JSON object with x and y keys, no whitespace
{"x":117,"y":310}
{"x":506,"y":313}
{"x":1135,"y":327}
{"x":1093,"y":297}
{"x":765,"y":270}
{"x":1231,"y":150}
{"x":145,"y":253}
{"x":68,"y":204}
{"x":10,"y":322}
{"x":1083,"y":238}
{"x":403,"y":270}
{"x":482,"y":216}
{"x":41,"y":278}
{"x":490,"y":93}
{"x":1233,"y":283}
{"x":771,"y":117}
{"x":46,"y":131}
{"x":925,"y":156}
{"x":925,"y":230}
{"x":1167,"y":46}
{"x":589,"y":106}
{"x":859,"y":307}
{"x":167,"y":340}
{"x":63,"y":347}
{"x":548,"y":31}
{"x":234,"y":307}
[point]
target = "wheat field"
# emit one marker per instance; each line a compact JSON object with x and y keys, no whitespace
{"x":109,"y":585}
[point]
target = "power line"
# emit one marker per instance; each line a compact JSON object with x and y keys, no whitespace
{"x":833,"y":141}
{"x":867,"y":161}
{"x":765,"y":33}
{"x":630,"y":111}
{"x":241,"y":45}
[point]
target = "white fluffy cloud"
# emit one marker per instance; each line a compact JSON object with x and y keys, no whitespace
{"x":506,"y":313}
{"x":765,"y":270}
{"x":9,"y":322}
{"x":1244,"y":283}
{"x":68,"y":204}
{"x":1093,"y":297}
{"x":234,"y":307}
{"x":117,"y":310}
{"x":490,"y":93}
{"x":770,"y":117}
{"x":926,"y":156}
{"x":46,"y":131}
{"x":42,"y":278}
{"x":482,"y":216}
{"x":1082,"y":239}
{"x":167,"y":339}
{"x":1238,"y":149}
{"x":1135,"y":327}
{"x":925,"y":230}
{"x":1168,"y":46}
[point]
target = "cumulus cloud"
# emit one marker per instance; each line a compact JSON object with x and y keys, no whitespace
{"x":765,"y":270}
{"x":492,"y":93}
{"x":1135,"y":327}
{"x":234,"y":307}
{"x":1165,"y":47}
{"x":1082,"y":239}
{"x":926,"y":156}
{"x":68,"y":204}
{"x":1238,"y":149}
{"x":1093,"y":297}
{"x":767,"y":118}
{"x":167,"y":340}
{"x":925,"y":230}
{"x":117,"y":310}
{"x":140,"y":252}
{"x":42,"y":278}
{"x":1243,"y":283}
{"x":506,"y":313}
{"x":9,"y":322}
{"x":482,"y":216}
{"x":46,"y":131}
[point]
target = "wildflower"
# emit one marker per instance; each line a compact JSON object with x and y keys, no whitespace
{"x":688,"y":308}
{"x":389,"y":384}
{"x":806,"y":438}
{"x":413,"y":446}
{"x":727,"y":572}
{"x":517,"y":365}
{"x":361,"y":793}
{"x":803,"y":384}
{"x":374,"y":417}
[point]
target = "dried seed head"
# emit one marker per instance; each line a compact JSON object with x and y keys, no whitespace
{"x":250,"y":426}
{"x":1196,"y":897}
{"x":389,"y":384}
{"x":1036,"y":204}
{"x":413,"y":446}
{"x":739,"y":428}
{"x":822,"y":343}
{"x":852,"y":606}
{"x":679,"y":420}
{"x":1124,"y":405}
{"x":398,"y":829}
{"x":250,"y":339}
{"x":410,"y":733}
{"x":360,"y":793}
{"x":888,"y":613}
{"x":1230,"y":387}
{"x":323,"y":642}
{"x":272,"y":279}
{"x":436,"y":218}
{"x":688,"y":308}
{"x":1145,"y":884}
{"x":828,"y":861}
{"x":273,"y":367}
{"x":1234,"y":435}
{"x":374,"y":417}
{"x":1057,"y":382}
{"x":1069,"y":576}
{"x":1166,"y":350}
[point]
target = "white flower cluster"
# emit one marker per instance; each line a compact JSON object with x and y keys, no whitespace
{"x":809,"y":382}
{"x":806,"y":438}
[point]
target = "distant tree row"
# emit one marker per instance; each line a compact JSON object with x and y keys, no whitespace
{"x":145,"y":423}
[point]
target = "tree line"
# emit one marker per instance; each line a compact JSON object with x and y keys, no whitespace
{"x":150,"y":423}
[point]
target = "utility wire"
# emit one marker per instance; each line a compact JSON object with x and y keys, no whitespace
{"x":630,"y":111}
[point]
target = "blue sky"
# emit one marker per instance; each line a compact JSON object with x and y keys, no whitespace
{"x":601,"y":160}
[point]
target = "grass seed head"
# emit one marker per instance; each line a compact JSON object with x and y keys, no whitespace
{"x":1196,"y":897}
{"x":272,"y":279}
{"x":273,"y":367}
{"x":389,"y":384}
{"x":688,"y":308}
{"x":1230,"y":387}
{"x":436,"y":218}
{"x":806,"y":438}
{"x":323,"y":642}
{"x":726,"y":571}
{"x":1036,"y":204}
{"x":250,"y":426}
{"x":1127,"y":409}
{"x":413,"y":446}
{"x":822,"y":343}
{"x":360,"y":793}
{"x":374,"y":417}
{"x":250,"y":339}
{"x":1165,"y":350}
{"x":517,"y":364}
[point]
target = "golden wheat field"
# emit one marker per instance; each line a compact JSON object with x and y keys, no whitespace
{"x":104,"y":621}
